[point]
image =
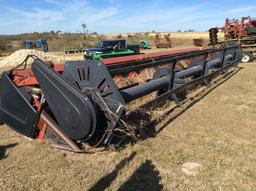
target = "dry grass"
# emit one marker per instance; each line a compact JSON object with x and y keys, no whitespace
{"x":217,"y":132}
{"x":189,"y":35}
{"x":62,"y":42}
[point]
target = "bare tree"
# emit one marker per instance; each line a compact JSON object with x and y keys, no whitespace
{"x":84,"y":27}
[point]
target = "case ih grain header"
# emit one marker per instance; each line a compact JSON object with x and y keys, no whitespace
{"x":80,"y":104}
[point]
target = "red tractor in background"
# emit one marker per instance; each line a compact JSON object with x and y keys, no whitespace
{"x":235,"y":29}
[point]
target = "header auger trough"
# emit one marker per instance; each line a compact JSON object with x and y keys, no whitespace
{"x":80,"y":104}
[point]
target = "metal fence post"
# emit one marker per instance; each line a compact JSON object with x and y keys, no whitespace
{"x":204,"y":67}
{"x":205,"y":62}
{"x":171,"y":84}
{"x":223,"y":57}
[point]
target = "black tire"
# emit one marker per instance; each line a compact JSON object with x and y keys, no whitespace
{"x":135,"y":48}
{"x":1,"y":123}
{"x":248,"y":57}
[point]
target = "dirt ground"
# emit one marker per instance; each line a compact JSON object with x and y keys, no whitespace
{"x":216,"y":133}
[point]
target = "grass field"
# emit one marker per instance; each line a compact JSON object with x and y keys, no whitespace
{"x":217,"y":133}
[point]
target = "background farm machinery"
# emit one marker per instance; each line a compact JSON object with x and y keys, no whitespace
{"x":111,"y":48}
{"x":39,"y":44}
{"x":107,"y":49}
{"x":82,"y":103}
{"x":243,"y":30}
{"x":163,"y":42}
{"x":143,"y":43}
{"x":239,"y":29}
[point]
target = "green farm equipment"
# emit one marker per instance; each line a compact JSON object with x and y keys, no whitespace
{"x":144,"y":44}
{"x":111,"y":48}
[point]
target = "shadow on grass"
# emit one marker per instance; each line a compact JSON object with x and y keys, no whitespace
{"x":4,"y":148}
{"x":105,"y":181}
{"x":146,"y":177}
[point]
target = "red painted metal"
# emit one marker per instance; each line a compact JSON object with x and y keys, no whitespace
{"x":42,"y":126}
{"x":24,"y":80}
{"x":26,"y":77}
{"x":236,"y":29}
{"x":123,"y":59}
{"x":28,"y":72}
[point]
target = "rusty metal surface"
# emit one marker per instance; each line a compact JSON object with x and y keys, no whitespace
{"x":51,"y":124}
{"x":161,"y":42}
{"x":198,"y":42}
{"x":213,"y":36}
{"x":147,"y":56}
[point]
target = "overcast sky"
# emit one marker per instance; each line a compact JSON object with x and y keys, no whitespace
{"x":117,"y":16}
